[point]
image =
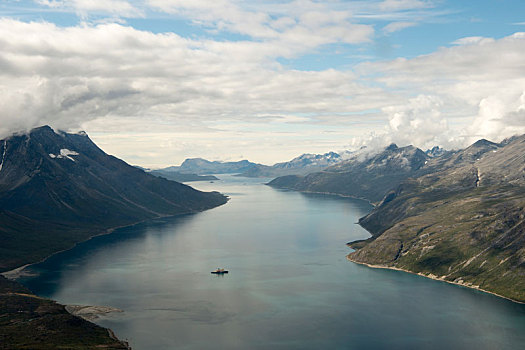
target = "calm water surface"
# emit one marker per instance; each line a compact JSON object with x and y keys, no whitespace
{"x":289,"y":286}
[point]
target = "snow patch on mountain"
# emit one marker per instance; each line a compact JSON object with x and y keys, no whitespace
{"x":64,"y":154}
{"x":3,"y":156}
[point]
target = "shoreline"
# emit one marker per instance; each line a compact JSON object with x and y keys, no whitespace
{"x":19,"y":271}
{"x":430,"y":276}
{"x":325,"y":193}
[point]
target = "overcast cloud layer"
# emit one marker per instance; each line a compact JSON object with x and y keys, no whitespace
{"x":157,"y":98}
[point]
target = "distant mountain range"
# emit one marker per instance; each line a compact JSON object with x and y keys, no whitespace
{"x":181,"y":177}
{"x":170,"y":174}
{"x":303,"y":164}
{"x":455,"y":216}
{"x":57,"y":189}
{"x":201,"y":166}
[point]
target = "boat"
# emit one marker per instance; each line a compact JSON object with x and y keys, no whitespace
{"x":219,"y":271}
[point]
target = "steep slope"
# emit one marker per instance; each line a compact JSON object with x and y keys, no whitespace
{"x":57,"y":189}
{"x":463,"y":222}
{"x":361,"y":177}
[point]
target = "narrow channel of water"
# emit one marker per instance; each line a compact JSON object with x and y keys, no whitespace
{"x":289,"y":287}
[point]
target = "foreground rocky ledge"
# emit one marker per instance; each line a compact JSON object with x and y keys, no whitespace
{"x":30,"y":322}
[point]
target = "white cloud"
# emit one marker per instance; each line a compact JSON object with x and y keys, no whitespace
{"x":397,"y":26}
{"x":389,"y":5}
{"x":500,"y":115}
{"x":84,"y":8}
{"x":211,"y":94}
{"x":480,"y":85}
{"x":300,"y":25}
{"x":70,"y":77}
{"x":471,"y":40}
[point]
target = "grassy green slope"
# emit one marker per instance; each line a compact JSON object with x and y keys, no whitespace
{"x":464,"y":224}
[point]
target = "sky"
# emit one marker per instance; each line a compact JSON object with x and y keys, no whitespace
{"x":157,"y":81}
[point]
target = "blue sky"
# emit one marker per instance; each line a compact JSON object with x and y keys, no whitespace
{"x":439,"y":24}
{"x":175,"y":79}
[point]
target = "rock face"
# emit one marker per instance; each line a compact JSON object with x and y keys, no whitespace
{"x":57,"y":189}
{"x":462,"y":220}
{"x":361,"y":176}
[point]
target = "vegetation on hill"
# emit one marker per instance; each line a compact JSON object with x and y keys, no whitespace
{"x":462,"y":222}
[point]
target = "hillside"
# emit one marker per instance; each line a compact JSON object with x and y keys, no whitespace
{"x":57,"y":189}
{"x":361,"y":176}
{"x":463,"y":221}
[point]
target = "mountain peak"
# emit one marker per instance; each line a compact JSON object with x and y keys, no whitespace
{"x":391,"y":147}
{"x":484,"y":143}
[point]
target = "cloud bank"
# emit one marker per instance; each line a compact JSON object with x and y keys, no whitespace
{"x":204,"y":96}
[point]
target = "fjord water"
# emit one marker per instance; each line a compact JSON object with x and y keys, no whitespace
{"x":289,"y":287}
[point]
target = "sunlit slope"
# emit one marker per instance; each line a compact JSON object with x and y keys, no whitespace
{"x":463,"y":222}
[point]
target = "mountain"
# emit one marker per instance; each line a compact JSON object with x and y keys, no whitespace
{"x":302,"y":165}
{"x":436,"y":151}
{"x":361,"y":176}
{"x":57,"y":189}
{"x":462,"y":222}
{"x":202,"y":167}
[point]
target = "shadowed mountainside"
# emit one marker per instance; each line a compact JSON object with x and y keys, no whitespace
{"x":57,"y":189}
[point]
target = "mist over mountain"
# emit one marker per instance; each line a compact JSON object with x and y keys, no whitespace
{"x":57,"y":189}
